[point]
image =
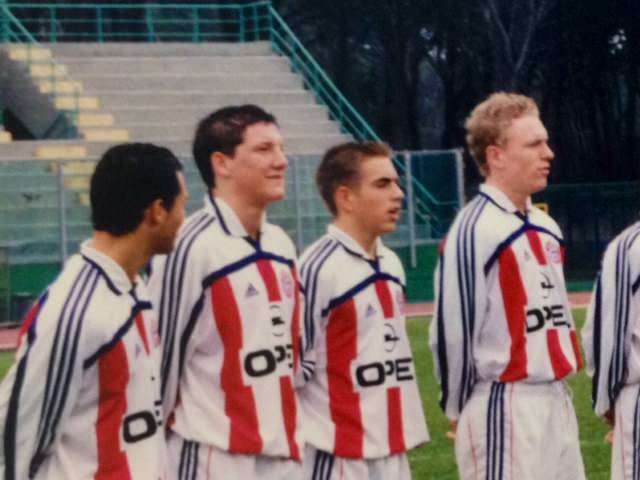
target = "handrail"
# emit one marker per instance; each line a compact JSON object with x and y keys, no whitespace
{"x":339,"y":107}
{"x":252,"y":21}
{"x":10,"y":25}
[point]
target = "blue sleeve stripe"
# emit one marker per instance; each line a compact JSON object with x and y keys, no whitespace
{"x":63,"y":359}
{"x":171,"y":296}
{"x":11,"y":426}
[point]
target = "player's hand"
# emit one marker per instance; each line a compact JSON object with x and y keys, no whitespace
{"x":608,"y":438}
{"x":610,"y":417}
{"x":453,"y":427}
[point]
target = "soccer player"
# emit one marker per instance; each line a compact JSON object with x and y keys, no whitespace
{"x":610,"y":340}
{"x":228,"y":307}
{"x":502,"y":336}
{"x":362,"y":408}
{"x":83,"y":399}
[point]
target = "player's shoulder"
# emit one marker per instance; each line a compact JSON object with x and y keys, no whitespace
{"x":393,"y":264}
{"x":275,"y":239}
{"x":322,"y":259}
{"x":628,"y":240}
{"x":541,"y":218}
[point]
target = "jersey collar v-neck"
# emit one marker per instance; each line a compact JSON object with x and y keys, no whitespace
{"x":229,"y":221}
{"x":501,"y":200}
{"x":115,"y":276}
{"x":352,"y":246}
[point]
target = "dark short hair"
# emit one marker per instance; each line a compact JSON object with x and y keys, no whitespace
{"x":341,"y":166}
{"x":127,"y":180}
{"x":222,"y":131}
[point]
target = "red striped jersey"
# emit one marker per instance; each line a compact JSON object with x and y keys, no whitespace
{"x":611,"y":335}
{"x":502,"y":312}
{"x":228,"y":310}
{"x":360,"y":399}
{"x":83,"y":399}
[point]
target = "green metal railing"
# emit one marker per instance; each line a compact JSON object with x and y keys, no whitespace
{"x":199,"y":23}
{"x":12,"y":31}
{"x":285,"y":42}
{"x":94,"y":22}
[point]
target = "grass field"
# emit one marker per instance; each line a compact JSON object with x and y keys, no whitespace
{"x":435,"y":461}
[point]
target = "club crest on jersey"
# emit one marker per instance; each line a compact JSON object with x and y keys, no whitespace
{"x":251,"y":291}
{"x":553,"y":251}
{"x":277,"y":323}
{"x":287,"y":283}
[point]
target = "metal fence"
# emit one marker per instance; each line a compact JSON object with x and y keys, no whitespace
{"x":45,"y":212}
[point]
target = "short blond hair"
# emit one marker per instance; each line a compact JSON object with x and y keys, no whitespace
{"x":489,"y":119}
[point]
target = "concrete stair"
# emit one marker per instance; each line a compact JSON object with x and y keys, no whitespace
{"x":157,"y":92}
{"x":153,"y":93}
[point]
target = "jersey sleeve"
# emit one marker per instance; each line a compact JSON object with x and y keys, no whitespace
{"x":314,"y":295}
{"x":41,"y":388}
{"x":177,"y":296}
{"x":606,"y":335}
{"x":460,"y":301}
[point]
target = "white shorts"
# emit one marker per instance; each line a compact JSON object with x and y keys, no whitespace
{"x":319,"y":465}
{"x":518,"y":431}
{"x":625,"y":454}
{"x":188,"y":460}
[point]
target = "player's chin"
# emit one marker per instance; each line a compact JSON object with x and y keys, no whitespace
{"x":388,"y":226}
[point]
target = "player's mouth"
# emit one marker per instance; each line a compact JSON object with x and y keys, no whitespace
{"x":394,"y":212}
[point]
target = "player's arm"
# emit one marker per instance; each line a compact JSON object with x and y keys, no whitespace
{"x":605,"y":336}
{"x":176,"y":293}
{"x":313,"y":285}
{"x":460,"y":300}
{"x":40,"y":390}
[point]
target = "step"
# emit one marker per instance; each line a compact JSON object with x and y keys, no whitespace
{"x":176,"y":65}
{"x":74,"y":168}
{"x":32,"y":54}
{"x":63,"y":86}
{"x":284,"y":114}
{"x":47,"y":70}
{"x":53,"y":149}
{"x":74,"y":149}
{"x":72,"y":102}
{"x":110,"y":135}
{"x":160,"y":49}
{"x":111,"y":99}
{"x":95,"y":120}
{"x":204,"y":82}
{"x":169,"y":128}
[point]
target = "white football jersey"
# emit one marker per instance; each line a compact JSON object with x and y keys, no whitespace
{"x":611,"y":336}
{"x":502,"y":312}
{"x":360,"y":399}
{"x":228,"y":310}
{"x":83,"y":399}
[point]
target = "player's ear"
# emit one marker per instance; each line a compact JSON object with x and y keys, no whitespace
{"x":343,"y":198}
{"x":495,"y":158}
{"x":221,"y":164}
{"x":155,"y":213}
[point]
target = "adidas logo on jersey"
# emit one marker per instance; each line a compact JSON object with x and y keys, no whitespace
{"x":251,"y":291}
{"x":370,"y":311}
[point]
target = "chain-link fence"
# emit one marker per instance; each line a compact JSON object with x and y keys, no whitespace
{"x":45,"y":215}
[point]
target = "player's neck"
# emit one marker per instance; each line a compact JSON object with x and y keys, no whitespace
{"x":518,"y":199}
{"x":250,"y":216}
{"x":367,"y":240}
{"x":127,"y":251}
